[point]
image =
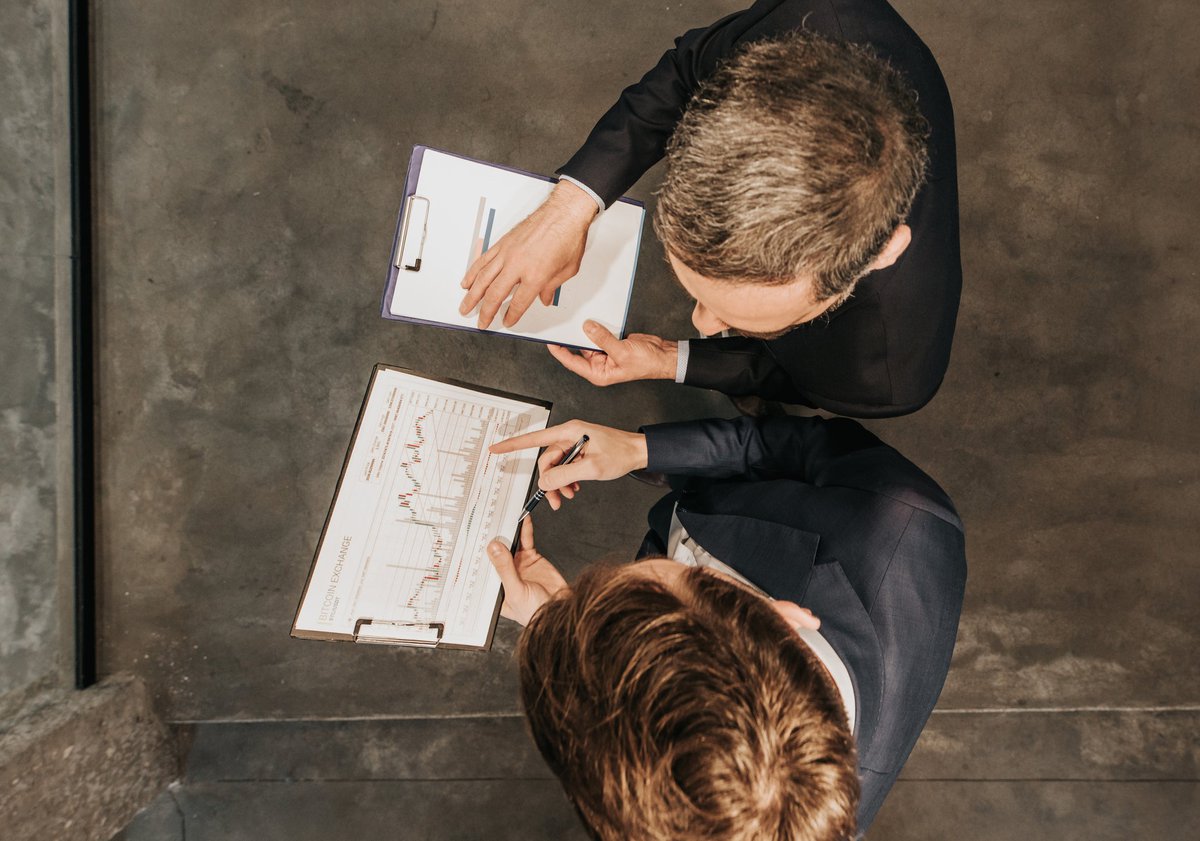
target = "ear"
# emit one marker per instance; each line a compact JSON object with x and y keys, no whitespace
{"x":894,"y":247}
{"x":796,"y":616}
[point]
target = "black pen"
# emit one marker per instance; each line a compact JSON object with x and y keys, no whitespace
{"x":571,"y":455}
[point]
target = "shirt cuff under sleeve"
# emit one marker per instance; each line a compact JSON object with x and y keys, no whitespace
{"x":681,"y":364}
{"x":595,"y":197}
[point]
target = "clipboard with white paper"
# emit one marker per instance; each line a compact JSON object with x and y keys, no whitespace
{"x":401,"y":559}
{"x":454,"y":208}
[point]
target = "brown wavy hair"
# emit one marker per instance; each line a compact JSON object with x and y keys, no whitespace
{"x":798,"y":157}
{"x":690,"y":711}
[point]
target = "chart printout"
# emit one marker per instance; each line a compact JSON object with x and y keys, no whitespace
{"x":470,"y":206}
{"x":420,"y":499}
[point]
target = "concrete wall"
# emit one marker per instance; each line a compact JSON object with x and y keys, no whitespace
{"x":76,"y":766}
{"x":73,"y":765}
{"x":35,"y":409}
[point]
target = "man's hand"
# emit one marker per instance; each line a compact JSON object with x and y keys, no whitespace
{"x":637,"y":357}
{"x":609,"y":454}
{"x":533,"y":259}
{"x":529,"y":579}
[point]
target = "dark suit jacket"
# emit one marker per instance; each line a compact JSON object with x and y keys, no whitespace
{"x":820,"y":512}
{"x":885,"y":351}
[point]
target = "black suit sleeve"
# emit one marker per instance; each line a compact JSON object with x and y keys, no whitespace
{"x":805,"y":449}
{"x":845,"y":363}
{"x":813,"y":450}
{"x":740,"y":366}
{"x":845,"y":373}
{"x":632,"y":135}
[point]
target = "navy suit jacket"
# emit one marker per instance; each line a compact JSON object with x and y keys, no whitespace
{"x":885,"y":351}
{"x":822,"y":513}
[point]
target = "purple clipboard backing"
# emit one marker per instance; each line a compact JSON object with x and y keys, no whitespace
{"x":410,"y":187}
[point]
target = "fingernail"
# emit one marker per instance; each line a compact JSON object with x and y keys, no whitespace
{"x":494,"y":547}
{"x":590,"y":326}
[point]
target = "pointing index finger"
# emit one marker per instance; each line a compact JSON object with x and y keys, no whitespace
{"x":537,"y":438}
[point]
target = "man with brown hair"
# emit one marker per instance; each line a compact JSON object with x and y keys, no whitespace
{"x":791,"y":622}
{"x":699,"y":710}
{"x":810,"y":205}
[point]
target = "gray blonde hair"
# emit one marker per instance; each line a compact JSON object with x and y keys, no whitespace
{"x":798,"y":156}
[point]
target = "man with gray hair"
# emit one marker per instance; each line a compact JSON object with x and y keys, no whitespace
{"x":809,"y":206}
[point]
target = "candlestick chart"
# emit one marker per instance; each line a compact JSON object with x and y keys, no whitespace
{"x":444,"y":493}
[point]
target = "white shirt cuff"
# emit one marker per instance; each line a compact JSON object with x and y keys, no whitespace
{"x":599,"y":201}
{"x":681,"y":365}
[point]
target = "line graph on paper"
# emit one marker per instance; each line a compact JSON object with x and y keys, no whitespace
{"x":443,"y":493}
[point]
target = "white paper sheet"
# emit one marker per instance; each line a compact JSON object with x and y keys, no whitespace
{"x":470,"y":206}
{"x":420,"y":498}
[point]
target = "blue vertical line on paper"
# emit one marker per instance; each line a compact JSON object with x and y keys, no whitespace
{"x":487,"y":234}
{"x":476,"y":236}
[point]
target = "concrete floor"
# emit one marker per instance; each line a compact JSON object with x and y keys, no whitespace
{"x":251,"y":158}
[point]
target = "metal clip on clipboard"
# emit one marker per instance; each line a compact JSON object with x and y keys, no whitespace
{"x":412,"y":234}
{"x":421,"y":634}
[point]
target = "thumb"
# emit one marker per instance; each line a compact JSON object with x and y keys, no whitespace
{"x":502,"y":560}
{"x":603,"y":337}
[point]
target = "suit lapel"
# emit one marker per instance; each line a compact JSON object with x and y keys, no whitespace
{"x":777,"y":559}
{"x":847,"y":626}
{"x":780,"y":560}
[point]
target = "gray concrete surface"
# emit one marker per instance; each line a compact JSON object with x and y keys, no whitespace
{"x":251,"y":157}
{"x":1012,"y":746}
{"x":915,"y":811}
{"x":34,"y":328}
{"x":248,"y":204}
{"x":77,"y":766}
{"x":989,"y":775}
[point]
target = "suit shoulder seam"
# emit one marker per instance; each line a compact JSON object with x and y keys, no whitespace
{"x":933,"y":510}
{"x":912,"y":512}
{"x":838,"y":18}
